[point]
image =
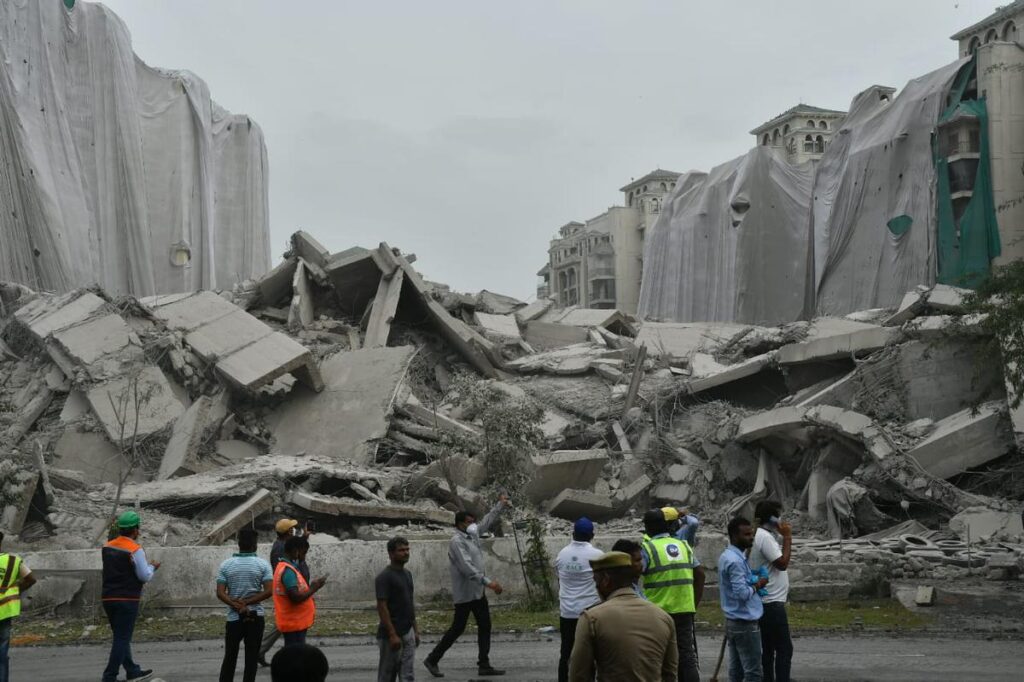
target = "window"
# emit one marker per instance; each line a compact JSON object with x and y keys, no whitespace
{"x":664,"y":187}
{"x":785,"y":129}
{"x":991,"y":36}
{"x":1010,"y":32}
{"x":819,"y":144}
{"x":765,"y":140}
{"x":808,"y":144}
{"x":654,"y":206}
{"x":629,"y":199}
{"x":810,"y":124}
{"x":775,"y":137}
{"x":972,"y":46}
{"x":823,"y":125}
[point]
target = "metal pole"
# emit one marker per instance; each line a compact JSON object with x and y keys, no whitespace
{"x":519,"y":552}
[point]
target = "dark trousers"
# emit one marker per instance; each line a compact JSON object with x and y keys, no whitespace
{"x":776,"y":645}
{"x":482,"y":616}
{"x":122,"y":615}
{"x":567,"y":628}
{"x":250,"y":631}
{"x":686,"y":641}
{"x":292,"y":638}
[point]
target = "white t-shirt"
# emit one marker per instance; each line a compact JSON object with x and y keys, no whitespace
{"x":766,"y":549}
{"x":576,"y":588}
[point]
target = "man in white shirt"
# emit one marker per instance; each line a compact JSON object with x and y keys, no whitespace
{"x":576,"y":589}
{"x":776,"y":645}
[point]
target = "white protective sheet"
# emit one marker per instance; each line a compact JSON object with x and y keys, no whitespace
{"x":732,"y":245}
{"x":814,"y":239}
{"x":108,"y":166}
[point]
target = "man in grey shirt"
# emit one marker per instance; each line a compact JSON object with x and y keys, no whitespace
{"x":466,"y":563}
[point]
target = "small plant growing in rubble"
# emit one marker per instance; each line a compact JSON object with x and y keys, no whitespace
{"x":1001,"y":299}
{"x":511,"y":430}
{"x":538,"y":563}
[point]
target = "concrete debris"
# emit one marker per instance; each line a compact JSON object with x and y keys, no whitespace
{"x":564,"y":469}
{"x":965,"y":440}
{"x":262,"y":501}
{"x":548,"y":335}
{"x":498,"y":328}
{"x":980,"y":524}
{"x":572,"y":504}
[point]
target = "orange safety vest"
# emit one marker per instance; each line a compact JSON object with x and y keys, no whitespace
{"x":291,"y":617}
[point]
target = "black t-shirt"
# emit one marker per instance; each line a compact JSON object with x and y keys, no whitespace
{"x":277,"y":553}
{"x":395,"y":587}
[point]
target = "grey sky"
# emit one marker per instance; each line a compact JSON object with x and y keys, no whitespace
{"x":469,"y":131}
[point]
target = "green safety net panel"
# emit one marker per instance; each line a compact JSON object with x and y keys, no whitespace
{"x":965,"y":252}
{"x":69,"y":3}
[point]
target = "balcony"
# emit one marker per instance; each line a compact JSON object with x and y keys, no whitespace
{"x":603,"y":303}
{"x":600,"y":273}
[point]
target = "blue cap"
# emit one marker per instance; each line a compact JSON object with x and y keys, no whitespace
{"x":583,"y":526}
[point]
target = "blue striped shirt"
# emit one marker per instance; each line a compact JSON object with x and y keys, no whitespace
{"x":244,"y":575}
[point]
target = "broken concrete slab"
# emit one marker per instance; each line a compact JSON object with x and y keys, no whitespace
{"x":410,"y":405}
{"x":500,"y":328}
{"x":572,"y":504}
{"x":137,"y":404}
{"x":190,"y":313}
{"x":98,"y":460}
{"x":350,"y":415}
{"x":356,"y":276}
{"x":848,"y":344}
{"x":947,"y":299}
{"x":791,"y":419}
{"x":630,"y":494}
{"x":309,"y":249}
{"x":223,"y":336}
{"x":563,"y":469}
{"x":336,"y":506}
{"x":964,"y":440}
{"x":464,"y":471}
{"x":676,"y":493}
{"x":107,"y":337}
{"x":709,"y":376}
{"x":533,"y":310}
{"x":385,"y":307}
{"x":547,"y":336}
{"x":613,"y":320}
{"x":44,"y":315}
{"x":912,"y":305}
{"x":982,"y":524}
{"x":261,"y":502}
{"x":19,"y":490}
{"x":925,"y":595}
{"x":574,"y":359}
{"x":682,"y":340}
{"x":234,"y":451}
{"x":181,"y":457}
{"x":300,"y":311}
{"x":260,"y":363}
{"x":275,"y":287}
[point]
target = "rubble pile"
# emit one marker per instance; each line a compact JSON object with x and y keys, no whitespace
{"x":346,"y":389}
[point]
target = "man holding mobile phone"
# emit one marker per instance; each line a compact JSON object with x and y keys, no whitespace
{"x":776,"y":644}
{"x":285,"y":528}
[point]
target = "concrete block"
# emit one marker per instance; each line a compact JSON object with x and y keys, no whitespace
{"x":243,"y":515}
{"x":105,"y":336}
{"x":676,"y":493}
{"x":628,"y":495}
{"x":718,"y":375}
{"x":114,"y":404}
{"x":947,"y":299}
{"x":912,"y":305}
{"x":838,"y":346}
{"x":762,"y":424}
{"x":465,"y":471}
{"x":75,"y":406}
{"x":355,"y":276}
{"x":336,"y":506}
{"x":350,"y":415}
{"x":300,"y":312}
{"x":385,"y":307}
{"x":964,"y":440}
{"x":533,"y":310}
{"x":572,"y":504}
{"x":20,"y":489}
{"x":276,"y":286}
{"x":235,"y":451}
{"x":192,"y":312}
{"x":925,"y":595}
{"x":682,"y":340}
{"x":414,"y":409}
{"x":981,"y":524}
{"x":563,"y":469}
{"x":181,"y":456}
{"x":221,"y":337}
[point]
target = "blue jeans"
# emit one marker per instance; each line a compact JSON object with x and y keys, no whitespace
{"x":291,"y":638}
{"x":122,"y":615}
{"x":5,"y":643}
{"x":744,"y":639}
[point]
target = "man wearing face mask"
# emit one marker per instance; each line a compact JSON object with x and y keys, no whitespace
{"x":776,"y":645}
{"x":466,"y":563}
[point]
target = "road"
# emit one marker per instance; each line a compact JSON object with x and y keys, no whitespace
{"x":529,"y":658}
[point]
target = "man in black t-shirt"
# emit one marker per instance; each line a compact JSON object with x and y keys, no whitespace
{"x":397,"y":635}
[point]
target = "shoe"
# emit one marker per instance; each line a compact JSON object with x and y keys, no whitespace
{"x":432,"y":668}
{"x":488,"y":671}
{"x":141,"y":677}
{"x":262,"y":660}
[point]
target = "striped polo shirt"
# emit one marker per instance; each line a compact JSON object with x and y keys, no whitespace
{"x":244,"y":575}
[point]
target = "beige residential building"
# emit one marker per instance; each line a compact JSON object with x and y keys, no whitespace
{"x":598,"y":263}
{"x":803,"y":131}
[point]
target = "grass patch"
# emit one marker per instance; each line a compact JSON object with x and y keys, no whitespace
{"x":879,"y":615}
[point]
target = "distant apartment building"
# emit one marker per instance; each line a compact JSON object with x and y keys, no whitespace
{"x":599,"y":263}
{"x":803,"y":131}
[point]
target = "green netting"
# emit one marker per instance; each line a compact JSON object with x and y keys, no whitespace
{"x":966,"y":250}
{"x":899,"y":225}
{"x":69,"y":3}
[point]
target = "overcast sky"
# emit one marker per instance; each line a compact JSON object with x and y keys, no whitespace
{"x":468,"y":131}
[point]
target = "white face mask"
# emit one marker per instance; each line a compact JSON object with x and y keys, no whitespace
{"x":473,"y":529}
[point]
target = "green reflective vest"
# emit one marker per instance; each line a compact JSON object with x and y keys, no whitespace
{"x":10,"y":595}
{"x":668,"y":581}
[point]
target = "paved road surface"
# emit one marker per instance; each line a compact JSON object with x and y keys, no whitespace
{"x":531,"y":659}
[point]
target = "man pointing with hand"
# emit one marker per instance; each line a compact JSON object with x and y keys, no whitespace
{"x":466,"y":563}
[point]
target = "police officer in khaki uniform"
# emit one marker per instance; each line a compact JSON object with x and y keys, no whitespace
{"x":624,"y":638}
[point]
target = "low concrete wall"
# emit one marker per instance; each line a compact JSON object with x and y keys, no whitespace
{"x":187,"y":575}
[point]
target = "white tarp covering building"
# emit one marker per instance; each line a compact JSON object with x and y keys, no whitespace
{"x":114,"y":172}
{"x":761,"y":241}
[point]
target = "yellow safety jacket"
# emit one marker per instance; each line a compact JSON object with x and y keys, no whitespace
{"x":10,"y":595}
{"x":668,"y":580}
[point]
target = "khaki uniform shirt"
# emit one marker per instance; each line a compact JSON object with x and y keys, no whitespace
{"x":624,"y":639}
